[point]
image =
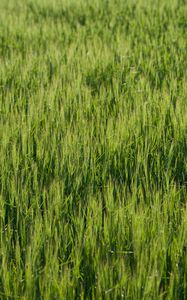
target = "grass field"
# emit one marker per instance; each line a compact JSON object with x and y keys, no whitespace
{"x":93,"y":149}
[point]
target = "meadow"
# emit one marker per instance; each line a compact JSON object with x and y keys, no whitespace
{"x":93,"y":149}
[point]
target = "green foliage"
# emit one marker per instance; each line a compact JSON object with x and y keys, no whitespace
{"x":93,"y":148}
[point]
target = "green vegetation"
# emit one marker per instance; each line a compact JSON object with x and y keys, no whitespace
{"x":93,"y":148}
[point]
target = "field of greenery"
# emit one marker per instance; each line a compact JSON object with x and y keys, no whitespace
{"x":93,"y":149}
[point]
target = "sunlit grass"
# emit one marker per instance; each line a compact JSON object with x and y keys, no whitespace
{"x":93,"y":146}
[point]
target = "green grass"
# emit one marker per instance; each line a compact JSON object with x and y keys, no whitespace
{"x":93,"y":149}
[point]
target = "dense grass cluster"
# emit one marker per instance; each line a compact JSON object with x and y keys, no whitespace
{"x":93,"y":148}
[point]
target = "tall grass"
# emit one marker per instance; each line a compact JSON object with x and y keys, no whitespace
{"x":93,"y":148}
